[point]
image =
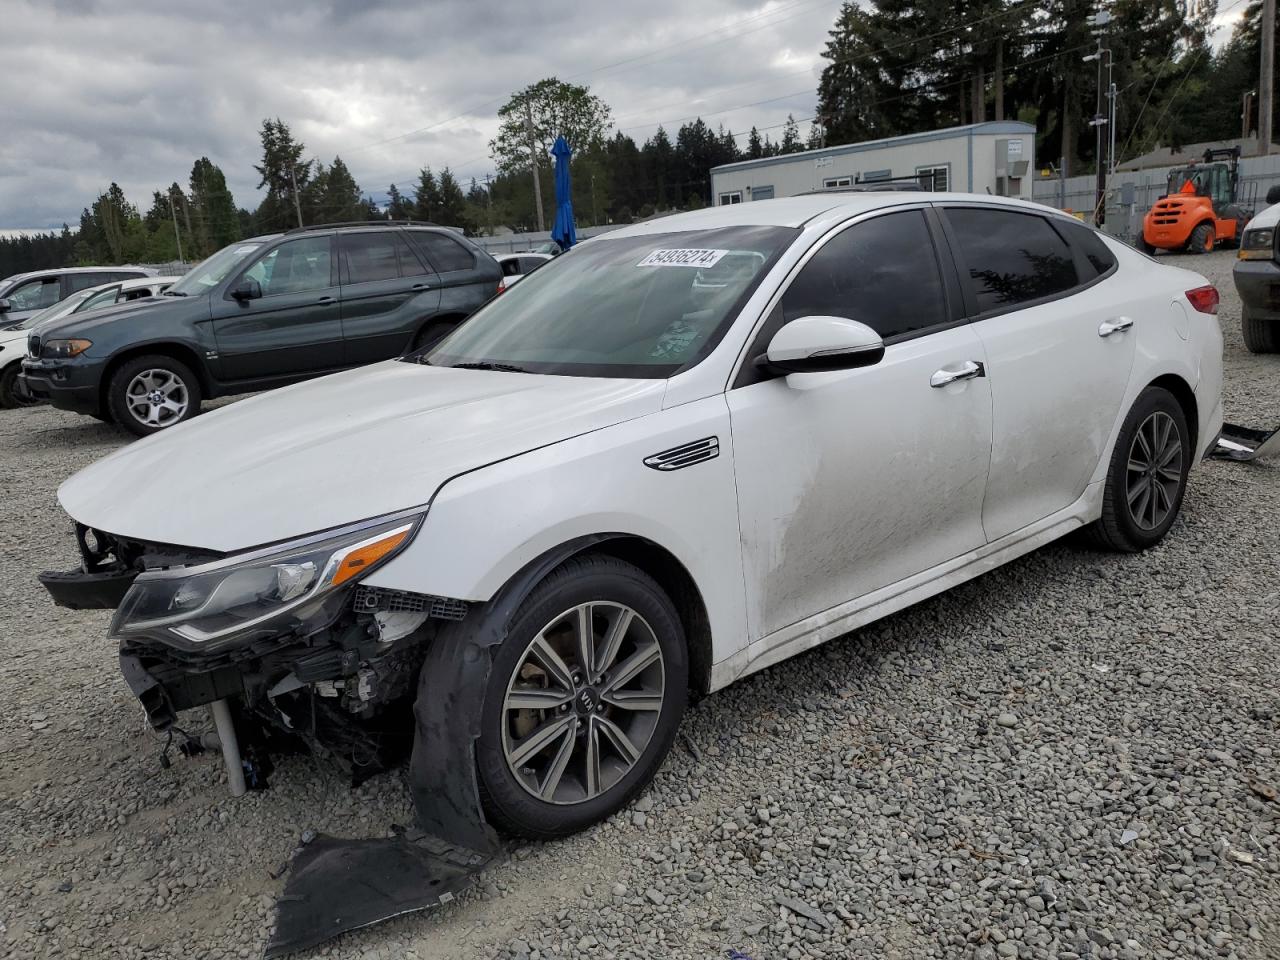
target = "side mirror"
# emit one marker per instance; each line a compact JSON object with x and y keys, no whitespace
{"x":817,"y":344}
{"x":5,"y":305}
{"x":1273,"y":195}
{"x":247,"y":289}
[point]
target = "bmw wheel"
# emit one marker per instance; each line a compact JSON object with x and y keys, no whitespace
{"x":583,"y":700}
{"x":152,"y":393}
{"x":1147,"y":476}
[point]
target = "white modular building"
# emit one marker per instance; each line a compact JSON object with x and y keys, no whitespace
{"x":994,"y":157}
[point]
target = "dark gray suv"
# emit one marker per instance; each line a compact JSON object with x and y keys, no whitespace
{"x":262,"y":313}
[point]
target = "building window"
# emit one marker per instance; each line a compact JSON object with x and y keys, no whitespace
{"x":728,"y":198}
{"x":937,"y":178}
{"x":762,"y":193}
{"x":837,"y":182}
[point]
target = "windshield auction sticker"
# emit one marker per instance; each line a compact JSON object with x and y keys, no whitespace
{"x":682,"y":258}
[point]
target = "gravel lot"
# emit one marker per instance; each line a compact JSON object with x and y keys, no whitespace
{"x":1066,"y":758}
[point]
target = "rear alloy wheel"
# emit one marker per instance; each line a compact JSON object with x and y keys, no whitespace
{"x":9,"y":397}
{"x":1260,"y":335}
{"x":1202,"y":239}
{"x":1147,"y":476}
{"x":152,"y":393}
{"x":583,"y":700}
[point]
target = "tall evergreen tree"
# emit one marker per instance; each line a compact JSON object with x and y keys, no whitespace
{"x":282,"y":169}
{"x":426,"y":197}
{"x":398,"y":207}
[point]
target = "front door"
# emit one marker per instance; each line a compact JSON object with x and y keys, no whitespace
{"x":1056,"y":324}
{"x":854,"y":480}
{"x":295,"y":326}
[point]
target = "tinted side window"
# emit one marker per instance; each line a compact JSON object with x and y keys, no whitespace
{"x":510,"y":266}
{"x":1095,"y":250}
{"x":372,"y":256}
{"x":882,"y":272}
{"x":82,"y":281}
{"x":1011,"y":257}
{"x":442,"y":252}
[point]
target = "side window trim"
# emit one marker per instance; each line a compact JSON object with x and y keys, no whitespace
{"x":971,"y":301}
{"x":744,"y":374}
{"x":263,"y":254}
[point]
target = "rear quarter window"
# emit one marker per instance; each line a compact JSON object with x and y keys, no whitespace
{"x":1098,"y":260}
{"x":442,"y":251}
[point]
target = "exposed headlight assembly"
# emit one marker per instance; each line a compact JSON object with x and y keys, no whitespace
{"x":1257,"y":244}
{"x":261,"y":594}
{"x":64,"y":349}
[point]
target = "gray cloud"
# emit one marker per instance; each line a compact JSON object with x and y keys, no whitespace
{"x":95,"y":92}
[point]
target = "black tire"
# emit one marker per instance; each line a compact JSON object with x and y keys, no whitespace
{"x":1145,"y":247}
{"x":1260,"y":335}
{"x":118,"y":401}
{"x":9,"y":398}
{"x":1119,"y":528}
{"x":597,"y":579}
{"x":433,"y":332}
{"x":1201,"y":240}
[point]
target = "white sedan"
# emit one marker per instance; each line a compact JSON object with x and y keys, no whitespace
{"x":517,"y":266}
{"x":13,"y":338}
{"x":678,"y":454}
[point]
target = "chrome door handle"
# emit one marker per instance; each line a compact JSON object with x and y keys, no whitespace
{"x":966,"y":371}
{"x":421,"y":286}
{"x":1118,"y":325}
{"x":325,"y":300}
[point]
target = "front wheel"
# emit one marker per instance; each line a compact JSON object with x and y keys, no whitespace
{"x":583,"y":700}
{"x":1147,"y":476}
{"x":1261,"y":335}
{"x":152,"y":393}
{"x":9,"y":396}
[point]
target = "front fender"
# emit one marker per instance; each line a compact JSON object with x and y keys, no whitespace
{"x":488,"y":525}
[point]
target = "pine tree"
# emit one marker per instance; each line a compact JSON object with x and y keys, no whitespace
{"x":426,"y":197}
{"x":790,"y":137}
{"x":453,"y":205}
{"x":214,"y":219}
{"x":398,"y":207}
{"x":282,"y":165}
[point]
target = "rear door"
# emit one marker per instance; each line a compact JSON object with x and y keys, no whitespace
{"x":464,"y":286}
{"x":295,"y":327}
{"x":1058,"y":336}
{"x":388,"y":292}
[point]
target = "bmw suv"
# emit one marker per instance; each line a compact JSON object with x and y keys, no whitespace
{"x":262,"y":313}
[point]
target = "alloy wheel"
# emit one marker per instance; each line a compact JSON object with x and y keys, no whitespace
{"x":157,"y":398}
{"x":583,"y":702}
{"x":1155,"y":470}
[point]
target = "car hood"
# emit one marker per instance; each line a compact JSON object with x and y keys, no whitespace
{"x":84,"y":324}
{"x":1269,"y":217}
{"x":336,"y":450}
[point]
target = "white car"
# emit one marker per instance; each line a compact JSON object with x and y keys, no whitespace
{"x":695,"y":447}
{"x":516,"y":266}
{"x":13,"y":337}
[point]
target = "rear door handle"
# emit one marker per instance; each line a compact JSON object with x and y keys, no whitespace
{"x":325,"y":300}
{"x":966,"y":371}
{"x":1115,"y":325}
{"x":421,"y":286}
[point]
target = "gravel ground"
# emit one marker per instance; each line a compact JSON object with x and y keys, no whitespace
{"x":1069,"y":757}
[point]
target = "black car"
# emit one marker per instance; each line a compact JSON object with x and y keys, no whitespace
{"x":262,"y":313}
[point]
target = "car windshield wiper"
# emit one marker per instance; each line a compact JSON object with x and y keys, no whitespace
{"x":486,"y":365}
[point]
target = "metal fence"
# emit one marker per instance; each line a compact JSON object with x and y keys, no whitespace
{"x":1131,"y":194}
{"x":519,"y":242}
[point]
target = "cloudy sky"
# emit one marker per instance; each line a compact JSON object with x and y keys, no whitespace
{"x":135,"y":91}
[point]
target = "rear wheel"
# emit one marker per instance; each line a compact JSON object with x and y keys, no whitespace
{"x":1260,"y":335}
{"x":9,"y":397}
{"x":152,"y":393}
{"x":1202,"y":239}
{"x":1147,"y":476}
{"x":583,"y":700}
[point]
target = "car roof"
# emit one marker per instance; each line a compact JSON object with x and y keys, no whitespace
{"x":133,"y":283}
{"x":799,"y":211}
{"x":59,"y":271}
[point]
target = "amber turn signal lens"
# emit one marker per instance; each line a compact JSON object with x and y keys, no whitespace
{"x":361,"y":558}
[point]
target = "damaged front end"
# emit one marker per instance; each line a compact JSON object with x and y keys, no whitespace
{"x":286,"y":646}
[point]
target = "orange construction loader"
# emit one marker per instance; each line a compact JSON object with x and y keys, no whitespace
{"x":1204,"y":206}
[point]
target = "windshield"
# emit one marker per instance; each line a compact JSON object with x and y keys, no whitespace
{"x":1198,"y":177}
{"x":620,"y":307}
{"x":59,"y":309}
{"x":208,"y":274}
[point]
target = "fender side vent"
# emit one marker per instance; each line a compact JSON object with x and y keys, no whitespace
{"x":377,"y":600}
{"x":686,"y":455}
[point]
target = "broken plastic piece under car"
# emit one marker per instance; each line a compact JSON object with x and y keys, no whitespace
{"x":1244,"y":443}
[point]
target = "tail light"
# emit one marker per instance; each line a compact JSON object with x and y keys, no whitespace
{"x":1204,"y":299}
{"x":502,"y":286}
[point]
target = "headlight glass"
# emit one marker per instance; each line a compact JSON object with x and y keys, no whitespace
{"x":263,"y":594}
{"x":1257,"y":244}
{"x":63,"y":349}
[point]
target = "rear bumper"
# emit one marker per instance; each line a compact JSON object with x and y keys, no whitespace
{"x":68,"y":386}
{"x":1258,"y":283}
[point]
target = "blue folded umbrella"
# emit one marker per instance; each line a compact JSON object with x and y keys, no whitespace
{"x":562,"y":231}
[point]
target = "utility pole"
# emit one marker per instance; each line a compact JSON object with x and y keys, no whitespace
{"x":1100,"y":20}
{"x":297,"y":204}
{"x":488,"y":204}
{"x":533,"y":163}
{"x":595,"y":216}
{"x":176,"y":235}
{"x":1267,"y":78}
{"x":1245,"y":113}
